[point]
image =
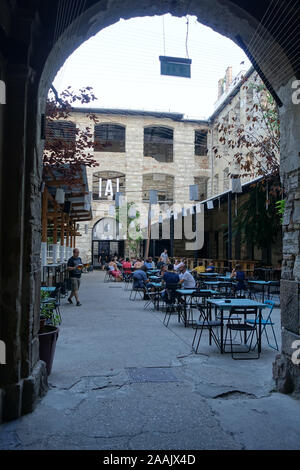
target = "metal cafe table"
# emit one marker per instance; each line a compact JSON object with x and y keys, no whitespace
{"x":208,"y":274}
{"x":228,"y":304}
{"x":185,"y":293}
{"x":217,"y":283}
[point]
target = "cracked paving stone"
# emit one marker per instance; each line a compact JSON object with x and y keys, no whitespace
{"x":92,"y":405}
{"x":270,"y":423}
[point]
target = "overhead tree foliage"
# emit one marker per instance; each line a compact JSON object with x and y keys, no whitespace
{"x":67,"y":151}
{"x":255,"y":143}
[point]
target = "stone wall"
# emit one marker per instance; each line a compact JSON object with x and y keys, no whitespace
{"x":286,"y":371}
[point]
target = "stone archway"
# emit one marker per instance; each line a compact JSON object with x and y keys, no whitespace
{"x":33,"y":57}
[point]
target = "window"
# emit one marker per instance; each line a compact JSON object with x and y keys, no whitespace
{"x":64,"y":131}
{"x":158,"y":143}
{"x":201,"y":143}
{"x":163,"y":184}
{"x":106,"y":184}
{"x":109,"y":138}
{"x":201,"y":181}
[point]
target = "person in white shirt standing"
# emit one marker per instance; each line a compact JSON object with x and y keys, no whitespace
{"x":186,"y":279}
{"x":165,"y":255}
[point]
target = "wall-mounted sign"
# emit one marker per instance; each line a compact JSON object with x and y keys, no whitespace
{"x":106,"y":187}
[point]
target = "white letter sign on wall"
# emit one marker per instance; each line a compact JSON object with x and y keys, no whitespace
{"x":109,"y":187}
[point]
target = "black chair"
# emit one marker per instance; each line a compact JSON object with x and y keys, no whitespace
{"x":206,"y":323}
{"x":249,"y":331}
{"x":172,"y":307}
{"x":128,"y":278}
{"x":274,"y":291}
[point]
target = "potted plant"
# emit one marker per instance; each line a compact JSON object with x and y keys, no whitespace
{"x":48,"y":333}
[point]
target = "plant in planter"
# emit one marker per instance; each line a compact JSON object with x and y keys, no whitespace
{"x":48,"y":334}
{"x":48,"y":314}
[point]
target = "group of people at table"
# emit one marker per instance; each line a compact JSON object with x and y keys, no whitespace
{"x":166,"y":272}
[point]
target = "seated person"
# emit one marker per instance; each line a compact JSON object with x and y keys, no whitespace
{"x":140,"y":277}
{"x":170,"y":279}
{"x":199,"y":269}
{"x":148,"y":263}
{"x":114,"y":271}
{"x":140,"y":280}
{"x":186,"y":279}
{"x":210,"y":268}
{"x":152,"y":263}
{"x":178,"y":265}
{"x":160,"y":263}
{"x":239,"y":276}
{"x":126,"y":266}
{"x":163,"y":270}
{"x":138,"y":264}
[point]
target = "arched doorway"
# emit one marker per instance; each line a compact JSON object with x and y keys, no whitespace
{"x":106,"y":242}
{"x":28,"y":76}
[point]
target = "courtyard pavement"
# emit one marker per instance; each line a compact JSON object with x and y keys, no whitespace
{"x":204,"y":401}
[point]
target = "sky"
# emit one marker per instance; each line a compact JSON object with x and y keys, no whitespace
{"x":122,"y":65}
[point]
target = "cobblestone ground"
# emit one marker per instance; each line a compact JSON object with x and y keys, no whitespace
{"x":204,"y":401}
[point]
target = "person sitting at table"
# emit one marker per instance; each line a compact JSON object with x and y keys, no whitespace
{"x":170,"y":279}
{"x":186,"y":279}
{"x":141,"y":281}
{"x":178,"y":265}
{"x":152,"y":263}
{"x":239,"y":276}
{"x":170,"y":276}
{"x":200,"y":268}
{"x":160,"y":263}
{"x":163,"y":270}
{"x":210,"y":268}
{"x":138,"y":264}
{"x":126,"y":266}
{"x":148,"y":263}
{"x":113,"y":269}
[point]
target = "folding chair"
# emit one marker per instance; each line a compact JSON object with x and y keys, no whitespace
{"x":171,"y":306}
{"x":274,"y":291}
{"x":205,"y":323}
{"x":267,"y":322}
{"x":249,"y":330}
{"x":128,"y":278}
{"x":136,"y":291}
{"x":153,"y":299}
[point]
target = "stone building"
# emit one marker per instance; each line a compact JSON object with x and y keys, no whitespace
{"x":235,"y":101}
{"x":138,"y":151}
{"x":142,"y":150}
{"x":34,"y":45}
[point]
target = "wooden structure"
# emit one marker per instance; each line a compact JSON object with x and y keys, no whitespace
{"x":61,"y":217}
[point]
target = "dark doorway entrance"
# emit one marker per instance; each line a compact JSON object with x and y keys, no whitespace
{"x":107,"y":249}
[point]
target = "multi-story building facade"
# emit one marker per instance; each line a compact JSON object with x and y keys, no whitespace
{"x":236,"y":98}
{"x":138,"y":151}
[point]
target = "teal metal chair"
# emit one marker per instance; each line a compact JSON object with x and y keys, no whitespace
{"x":267,"y":322}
